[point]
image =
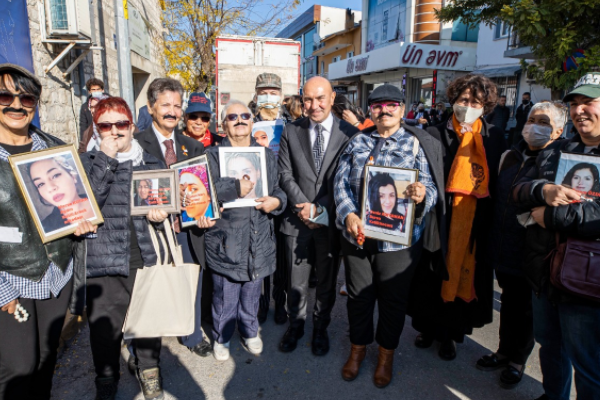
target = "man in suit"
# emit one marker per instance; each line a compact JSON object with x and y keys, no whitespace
{"x":163,"y":142}
{"x":306,"y":176}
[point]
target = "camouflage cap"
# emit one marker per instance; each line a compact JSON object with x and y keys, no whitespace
{"x":268,"y":80}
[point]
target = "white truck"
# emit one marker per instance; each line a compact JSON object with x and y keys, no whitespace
{"x":240,"y":59}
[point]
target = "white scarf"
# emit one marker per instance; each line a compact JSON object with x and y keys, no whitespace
{"x":135,"y":154}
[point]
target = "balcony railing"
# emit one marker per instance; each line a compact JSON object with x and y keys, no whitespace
{"x":515,"y":48}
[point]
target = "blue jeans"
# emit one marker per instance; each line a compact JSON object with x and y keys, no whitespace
{"x":569,"y":336}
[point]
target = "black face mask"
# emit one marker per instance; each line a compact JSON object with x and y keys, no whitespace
{"x":525,"y":102}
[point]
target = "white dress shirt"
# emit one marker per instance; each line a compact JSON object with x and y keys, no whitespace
{"x":327,"y":127}
{"x":161,"y":140}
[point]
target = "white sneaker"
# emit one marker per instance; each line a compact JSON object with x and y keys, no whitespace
{"x":254,"y":345}
{"x":221,"y":351}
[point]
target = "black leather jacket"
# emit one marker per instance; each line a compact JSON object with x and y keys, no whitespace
{"x":580,"y":220}
{"x":30,"y":258}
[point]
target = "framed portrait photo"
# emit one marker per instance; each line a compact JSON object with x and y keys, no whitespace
{"x":386,"y":212}
{"x":245,"y":163}
{"x":580,"y":172}
{"x":56,"y":190}
{"x":196,"y":191}
{"x":154,"y":190}
{"x":268,"y":134}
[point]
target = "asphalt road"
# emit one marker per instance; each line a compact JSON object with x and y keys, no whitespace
{"x":418,"y":374}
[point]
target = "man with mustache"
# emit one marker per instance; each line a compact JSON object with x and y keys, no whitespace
{"x":308,"y":155}
{"x":163,"y":142}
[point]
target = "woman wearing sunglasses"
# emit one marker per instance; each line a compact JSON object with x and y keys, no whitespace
{"x":240,"y":249}
{"x":197,"y":119}
{"x":122,"y":245}
{"x":380,"y":272}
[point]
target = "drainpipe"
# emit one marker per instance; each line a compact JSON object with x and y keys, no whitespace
{"x":124,"y":54}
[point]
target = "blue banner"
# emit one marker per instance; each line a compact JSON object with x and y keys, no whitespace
{"x":15,"y":43}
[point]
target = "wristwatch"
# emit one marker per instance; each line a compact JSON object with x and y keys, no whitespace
{"x":320,"y":209}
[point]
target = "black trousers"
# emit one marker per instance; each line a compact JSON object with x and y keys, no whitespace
{"x":516,"y":318}
{"x":376,"y":277}
{"x":28,"y":349}
{"x":107,"y":302}
{"x":279,"y":279}
{"x":299,"y":263}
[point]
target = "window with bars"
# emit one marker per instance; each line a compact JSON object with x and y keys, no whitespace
{"x":58,"y":11}
{"x":507,"y":86}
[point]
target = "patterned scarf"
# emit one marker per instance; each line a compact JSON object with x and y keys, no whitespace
{"x":468,"y":180}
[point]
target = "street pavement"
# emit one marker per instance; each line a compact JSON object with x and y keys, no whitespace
{"x":418,"y":374}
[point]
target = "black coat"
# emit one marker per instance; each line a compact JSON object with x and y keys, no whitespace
{"x":581,"y":219}
{"x":108,"y":253}
{"x":241,"y":246}
{"x":85,"y":117}
{"x":429,"y":312}
{"x":507,"y":242}
{"x":185,"y":148}
{"x":499,"y":117}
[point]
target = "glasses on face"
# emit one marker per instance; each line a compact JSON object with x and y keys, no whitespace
{"x":193,"y":117}
{"x":107,"y":126}
{"x":27,"y":100}
{"x":234,"y":117}
{"x":378,"y":107}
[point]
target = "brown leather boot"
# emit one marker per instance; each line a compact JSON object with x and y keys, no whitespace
{"x":383,"y":371}
{"x":352,"y":366}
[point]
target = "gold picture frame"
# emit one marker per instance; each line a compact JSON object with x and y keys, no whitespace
{"x":155,"y":189}
{"x":394,"y":223}
{"x":56,"y":190}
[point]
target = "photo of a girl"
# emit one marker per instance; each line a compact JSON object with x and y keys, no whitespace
{"x":195,"y":194}
{"x":584,"y":178}
{"x":385,"y":206}
{"x":58,"y":185}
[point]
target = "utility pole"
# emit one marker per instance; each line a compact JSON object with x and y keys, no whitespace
{"x":124,"y":54}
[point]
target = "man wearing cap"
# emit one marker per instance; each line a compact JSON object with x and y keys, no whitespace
{"x":37,"y":280}
{"x":269,"y":107}
{"x":197,"y":119}
{"x":565,"y":325}
{"x":308,"y":155}
{"x":378,"y":271}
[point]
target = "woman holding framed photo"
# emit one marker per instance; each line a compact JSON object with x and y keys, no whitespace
{"x":36,"y":279}
{"x":379,"y":271}
{"x":122,"y":245}
{"x":240,"y":247}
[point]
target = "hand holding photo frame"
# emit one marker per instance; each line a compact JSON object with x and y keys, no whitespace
{"x":580,"y":172}
{"x":196,"y":191}
{"x":387,"y":213}
{"x":56,"y":190}
{"x":245,"y":164}
{"x":154,"y":190}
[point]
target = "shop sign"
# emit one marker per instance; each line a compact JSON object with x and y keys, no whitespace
{"x":357,"y":65}
{"x":340,"y":89}
{"x":438,"y":58}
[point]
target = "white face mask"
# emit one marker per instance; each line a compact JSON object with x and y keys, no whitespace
{"x":268,"y":100}
{"x":537,"y":135}
{"x":97,"y":95}
{"x":466,"y":114}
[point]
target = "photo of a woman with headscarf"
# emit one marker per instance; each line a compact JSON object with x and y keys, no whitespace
{"x":383,"y":211}
{"x":195,"y":194}
{"x":57,"y":184}
{"x":584,"y":178}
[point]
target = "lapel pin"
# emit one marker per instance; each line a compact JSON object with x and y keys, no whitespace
{"x":185,"y":152}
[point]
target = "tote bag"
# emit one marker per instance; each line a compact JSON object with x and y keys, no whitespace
{"x":164,"y":295}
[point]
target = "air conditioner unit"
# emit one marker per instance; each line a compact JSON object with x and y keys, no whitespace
{"x":68,"y":18}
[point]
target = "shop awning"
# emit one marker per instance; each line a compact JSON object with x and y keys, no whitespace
{"x":498,"y":72}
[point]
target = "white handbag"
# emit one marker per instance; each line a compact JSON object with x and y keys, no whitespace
{"x":164,"y":295}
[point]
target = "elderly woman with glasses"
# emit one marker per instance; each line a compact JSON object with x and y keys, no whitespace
{"x":122,"y":245}
{"x":377,"y":271}
{"x":240,"y":247}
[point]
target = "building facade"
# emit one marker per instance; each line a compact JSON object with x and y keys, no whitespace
{"x":403,"y":44}
{"x":310,"y":28}
{"x":116,"y":41}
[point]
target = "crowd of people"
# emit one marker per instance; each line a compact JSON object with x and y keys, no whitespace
{"x":482,"y":211}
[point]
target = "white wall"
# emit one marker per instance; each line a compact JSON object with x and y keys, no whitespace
{"x":490,"y":52}
{"x":334,"y":20}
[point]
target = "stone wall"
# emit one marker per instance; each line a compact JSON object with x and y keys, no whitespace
{"x":62,"y":96}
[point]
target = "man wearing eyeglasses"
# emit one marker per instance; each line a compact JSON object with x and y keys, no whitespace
{"x":197,"y":119}
{"x":308,"y":156}
{"x":163,"y":141}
